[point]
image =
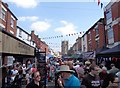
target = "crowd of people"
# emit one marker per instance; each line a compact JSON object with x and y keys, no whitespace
{"x":88,"y":74}
{"x":19,"y":75}
{"x":65,"y":74}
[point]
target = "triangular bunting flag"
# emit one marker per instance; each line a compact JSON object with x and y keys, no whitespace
{"x":101,"y":5}
{"x":98,"y":2}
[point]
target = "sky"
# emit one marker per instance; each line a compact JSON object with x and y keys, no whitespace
{"x":51,"y":19}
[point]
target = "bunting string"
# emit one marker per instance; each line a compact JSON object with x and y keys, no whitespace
{"x":60,"y":36}
{"x":54,"y":43}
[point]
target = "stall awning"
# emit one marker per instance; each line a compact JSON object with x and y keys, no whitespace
{"x":115,"y":49}
{"x":101,"y":49}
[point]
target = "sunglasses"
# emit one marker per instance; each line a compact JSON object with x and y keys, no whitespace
{"x":37,"y":76}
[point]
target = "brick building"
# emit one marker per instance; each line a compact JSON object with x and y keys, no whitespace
{"x":8,"y":21}
{"x":112,"y":29}
{"x":112,"y":21}
{"x":96,"y":36}
{"x":40,"y":45}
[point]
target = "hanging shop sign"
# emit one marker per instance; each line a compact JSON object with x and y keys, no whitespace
{"x":11,"y":45}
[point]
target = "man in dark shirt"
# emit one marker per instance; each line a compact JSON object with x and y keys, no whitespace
{"x":35,"y":83}
{"x":92,"y":80}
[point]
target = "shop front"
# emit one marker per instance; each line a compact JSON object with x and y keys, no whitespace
{"x":11,"y":47}
{"x":109,"y":56}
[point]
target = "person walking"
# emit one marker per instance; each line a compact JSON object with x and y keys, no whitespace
{"x":35,"y":83}
{"x":24,"y":69}
{"x":71,"y":66}
{"x":92,"y":80}
{"x":68,"y":80}
{"x":23,"y":81}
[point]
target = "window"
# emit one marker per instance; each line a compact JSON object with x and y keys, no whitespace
{"x":3,"y":14}
{"x":83,"y":38}
{"x":108,"y":14}
{"x":27,"y":37}
{"x":33,"y":42}
{"x":110,"y":35}
{"x":12,"y":23}
{"x":90,"y":46}
{"x":83,"y":47}
{"x":97,"y":31}
{"x":20,"y":33}
{"x":90,"y":35}
{"x":97,"y":43}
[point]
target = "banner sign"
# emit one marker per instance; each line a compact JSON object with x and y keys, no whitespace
{"x":88,"y":55}
{"x":13,"y":45}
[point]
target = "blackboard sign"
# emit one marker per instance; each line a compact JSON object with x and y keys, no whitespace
{"x":41,"y":65}
{"x":41,"y":57}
